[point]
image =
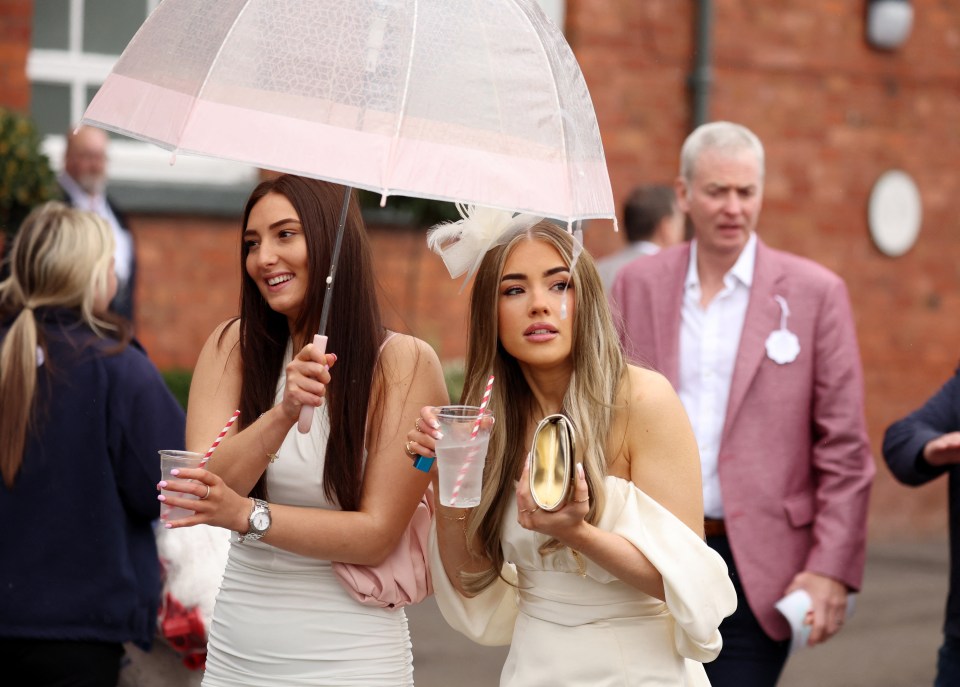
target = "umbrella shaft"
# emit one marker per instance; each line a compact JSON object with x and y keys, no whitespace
{"x":335,"y":256}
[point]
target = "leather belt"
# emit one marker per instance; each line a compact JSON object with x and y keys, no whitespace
{"x":714,"y":528}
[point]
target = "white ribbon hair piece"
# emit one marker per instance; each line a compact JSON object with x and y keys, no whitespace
{"x":462,"y":244}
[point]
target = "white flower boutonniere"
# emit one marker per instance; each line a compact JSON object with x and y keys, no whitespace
{"x":783,"y":346}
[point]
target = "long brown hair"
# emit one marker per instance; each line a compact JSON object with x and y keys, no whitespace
{"x":59,"y":258}
{"x":598,"y":370}
{"x":354,"y":330}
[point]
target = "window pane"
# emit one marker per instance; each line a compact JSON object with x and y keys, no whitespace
{"x":50,"y":107}
{"x":51,"y":24}
{"x":108,"y":25}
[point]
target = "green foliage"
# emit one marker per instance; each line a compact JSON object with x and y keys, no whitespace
{"x":178,"y":381}
{"x":453,"y":375}
{"x":26,"y":179}
{"x":415,"y":212}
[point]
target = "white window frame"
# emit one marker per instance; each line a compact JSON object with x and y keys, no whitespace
{"x":130,"y":160}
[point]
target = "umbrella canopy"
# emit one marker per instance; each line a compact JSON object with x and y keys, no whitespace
{"x":476,"y":101}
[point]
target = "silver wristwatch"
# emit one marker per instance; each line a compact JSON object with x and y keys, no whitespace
{"x":259,"y":521}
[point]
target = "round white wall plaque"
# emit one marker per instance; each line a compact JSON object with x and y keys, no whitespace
{"x":895,"y":213}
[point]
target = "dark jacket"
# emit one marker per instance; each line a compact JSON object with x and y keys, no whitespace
{"x":903,"y":450}
{"x":78,"y":558}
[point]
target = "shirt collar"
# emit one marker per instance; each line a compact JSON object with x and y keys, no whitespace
{"x":81,"y":198}
{"x":742,"y":269}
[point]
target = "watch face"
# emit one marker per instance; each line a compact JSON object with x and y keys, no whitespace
{"x":261,"y":521}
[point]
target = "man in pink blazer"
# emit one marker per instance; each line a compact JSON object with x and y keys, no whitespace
{"x":761,"y":347}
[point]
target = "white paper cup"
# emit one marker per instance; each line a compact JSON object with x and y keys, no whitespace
{"x":170,"y":460}
{"x":461,"y":455}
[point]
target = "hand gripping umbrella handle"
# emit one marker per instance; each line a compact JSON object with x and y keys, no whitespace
{"x":306,"y":412}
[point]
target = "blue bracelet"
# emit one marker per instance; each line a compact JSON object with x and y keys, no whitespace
{"x":422,"y":463}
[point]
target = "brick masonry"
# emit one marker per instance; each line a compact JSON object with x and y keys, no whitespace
{"x":833,"y":115}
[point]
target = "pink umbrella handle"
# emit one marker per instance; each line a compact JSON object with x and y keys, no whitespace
{"x":306,"y":412}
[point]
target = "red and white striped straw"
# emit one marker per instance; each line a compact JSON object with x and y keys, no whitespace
{"x":473,"y":435}
{"x":223,"y":433}
{"x":483,"y":407}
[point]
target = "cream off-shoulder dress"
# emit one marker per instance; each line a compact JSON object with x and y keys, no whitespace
{"x":568,"y":629}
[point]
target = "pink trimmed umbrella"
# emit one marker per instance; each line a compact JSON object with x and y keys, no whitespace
{"x":475,"y":101}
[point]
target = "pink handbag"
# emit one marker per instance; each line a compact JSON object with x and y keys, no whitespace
{"x":404,"y":576}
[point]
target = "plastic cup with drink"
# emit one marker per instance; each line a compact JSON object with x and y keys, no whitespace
{"x":461,"y":453}
{"x":170,"y":460}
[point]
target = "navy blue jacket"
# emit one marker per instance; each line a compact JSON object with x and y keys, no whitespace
{"x":78,"y":558}
{"x":903,"y":450}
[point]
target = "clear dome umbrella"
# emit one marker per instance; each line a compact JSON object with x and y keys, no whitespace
{"x":474,"y":101}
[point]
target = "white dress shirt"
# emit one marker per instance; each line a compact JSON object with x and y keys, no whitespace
{"x":709,"y":339}
{"x":123,"y":256}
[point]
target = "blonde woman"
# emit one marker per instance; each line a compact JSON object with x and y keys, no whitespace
{"x":82,"y":418}
{"x":617,"y":586}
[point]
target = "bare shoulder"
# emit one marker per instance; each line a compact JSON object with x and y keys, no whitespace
{"x":653,"y":412}
{"x":404,"y":354}
{"x":646,"y":391}
{"x":225,"y":337}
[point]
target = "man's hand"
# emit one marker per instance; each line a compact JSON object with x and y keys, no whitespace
{"x":828,"y":607}
{"x":944,"y":450}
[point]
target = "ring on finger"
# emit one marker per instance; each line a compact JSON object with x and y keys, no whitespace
{"x":417,"y":425}
{"x":409,"y":451}
{"x":203,"y":498}
{"x":581,"y":500}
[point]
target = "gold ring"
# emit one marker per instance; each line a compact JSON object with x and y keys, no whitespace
{"x":417,"y":425}
{"x":531,"y":512}
{"x":406,"y":448}
{"x":581,"y":500}
{"x":203,"y":498}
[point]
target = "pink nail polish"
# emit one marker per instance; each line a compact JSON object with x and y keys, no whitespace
{"x":162,"y":484}
{"x":168,"y":526}
{"x":175,"y":472}
{"x":161,"y":498}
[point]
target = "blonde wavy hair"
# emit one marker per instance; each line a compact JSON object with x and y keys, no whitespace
{"x":61,"y":257}
{"x":598,"y":368}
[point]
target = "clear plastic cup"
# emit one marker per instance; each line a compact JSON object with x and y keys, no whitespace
{"x":170,"y":460}
{"x":461,"y":454}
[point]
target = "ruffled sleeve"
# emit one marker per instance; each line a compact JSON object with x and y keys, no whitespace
{"x":487,"y":618}
{"x":699,"y":594}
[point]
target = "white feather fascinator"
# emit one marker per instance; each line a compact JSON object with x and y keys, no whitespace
{"x":462,"y":244}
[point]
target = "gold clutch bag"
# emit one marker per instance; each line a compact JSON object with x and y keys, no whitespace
{"x":552,"y":465}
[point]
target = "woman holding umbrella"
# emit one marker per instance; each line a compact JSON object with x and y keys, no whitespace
{"x":299,"y":501}
{"x":615,"y":586}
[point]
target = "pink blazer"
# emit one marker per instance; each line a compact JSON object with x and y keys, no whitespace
{"x":795,"y":463}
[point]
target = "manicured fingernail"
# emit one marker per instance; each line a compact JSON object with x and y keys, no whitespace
{"x":161,"y":497}
{"x":434,"y":424}
{"x":161,"y":484}
{"x":175,"y":472}
{"x":438,"y":435}
{"x":168,"y":526}
{"x":580,"y":471}
{"x":326,"y":367}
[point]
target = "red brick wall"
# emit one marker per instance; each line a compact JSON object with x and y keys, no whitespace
{"x":188,"y":276}
{"x":16,"y":18}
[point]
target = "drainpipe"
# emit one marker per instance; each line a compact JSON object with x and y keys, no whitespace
{"x":702,"y":77}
